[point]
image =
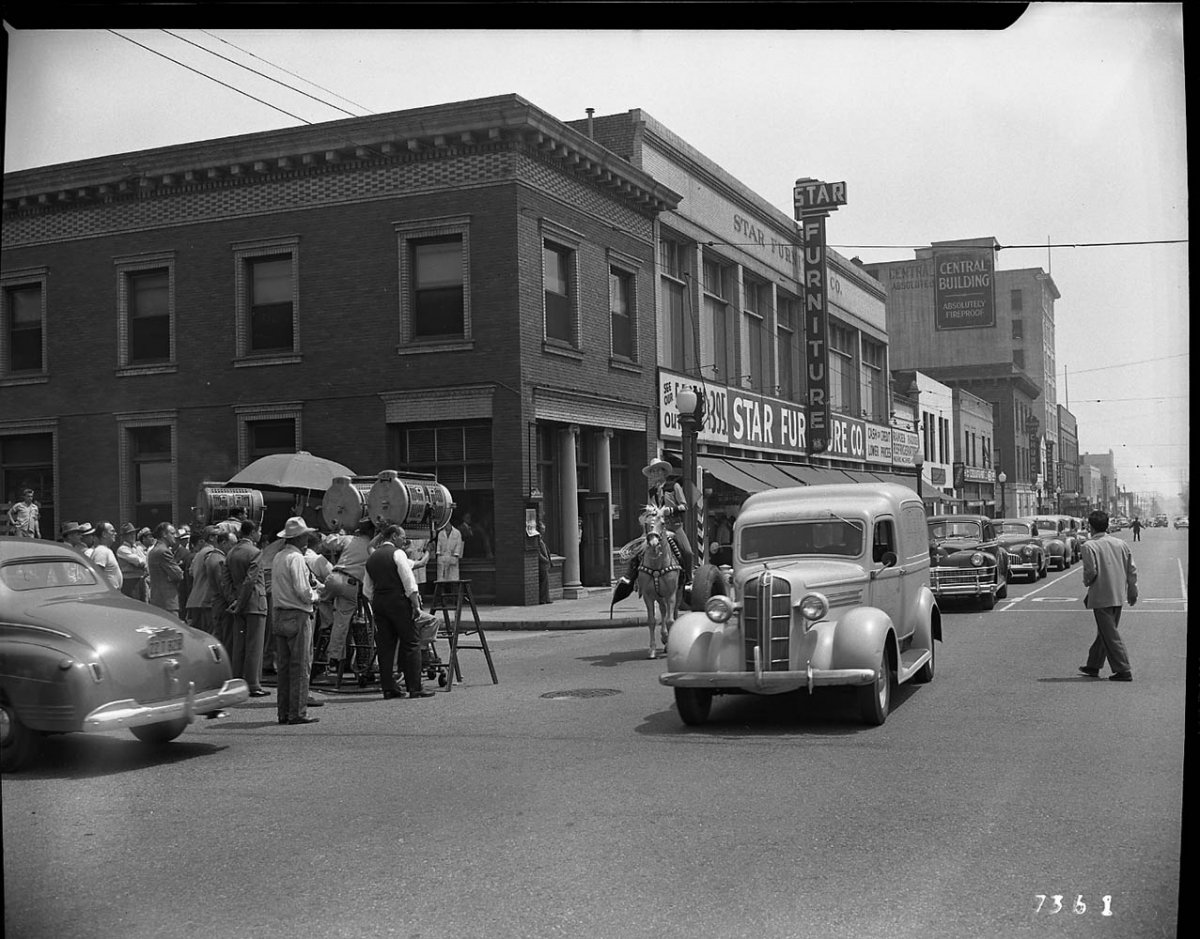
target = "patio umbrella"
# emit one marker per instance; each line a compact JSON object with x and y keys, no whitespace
{"x":299,"y":470}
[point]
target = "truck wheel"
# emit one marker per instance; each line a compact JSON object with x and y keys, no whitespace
{"x":162,"y":732}
{"x":875,"y":699}
{"x":693,"y":704}
{"x":925,"y":674}
{"x":706,"y":582}
{"x":17,"y":742}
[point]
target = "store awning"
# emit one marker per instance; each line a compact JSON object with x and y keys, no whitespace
{"x":907,"y":481}
{"x":753,"y":476}
{"x":819,"y":476}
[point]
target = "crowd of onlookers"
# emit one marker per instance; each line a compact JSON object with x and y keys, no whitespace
{"x":274,"y":602}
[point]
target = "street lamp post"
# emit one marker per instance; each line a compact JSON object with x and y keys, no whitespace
{"x":691,"y":417}
{"x":1002,"y":479}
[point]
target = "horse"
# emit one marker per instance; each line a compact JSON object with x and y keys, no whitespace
{"x":658,"y":574}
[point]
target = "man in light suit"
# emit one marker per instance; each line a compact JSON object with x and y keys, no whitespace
{"x":1111,"y":580}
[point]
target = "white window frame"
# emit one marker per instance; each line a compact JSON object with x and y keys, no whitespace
{"x":128,"y":421}
{"x":417,"y":230}
{"x":280,"y":411}
{"x":630,"y":268}
{"x":11,"y":280}
{"x":569,"y":240}
{"x":243,"y":253}
{"x":135,"y":264}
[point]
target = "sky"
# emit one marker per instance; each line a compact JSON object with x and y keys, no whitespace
{"x":1067,"y":128}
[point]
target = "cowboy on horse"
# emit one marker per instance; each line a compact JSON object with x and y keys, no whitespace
{"x":669,"y":498}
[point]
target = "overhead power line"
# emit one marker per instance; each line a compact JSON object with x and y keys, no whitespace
{"x":254,"y":71}
{"x":211,"y":78}
{"x":1075,"y":244}
{"x":1105,"y":368}
{"x":328,"y":91}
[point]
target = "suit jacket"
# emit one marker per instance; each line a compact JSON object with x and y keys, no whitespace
{"x":165,"y":577}
{"x":239,"y":560}
{"x":203,"y":588}
{"x":1108,"y":572}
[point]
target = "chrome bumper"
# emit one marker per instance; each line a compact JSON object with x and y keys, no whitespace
{"x":958,"y":585}
{"x":132,"y":713}
{"x":769,"y":682}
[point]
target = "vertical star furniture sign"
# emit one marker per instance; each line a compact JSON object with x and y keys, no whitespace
{"x":814,"y":200}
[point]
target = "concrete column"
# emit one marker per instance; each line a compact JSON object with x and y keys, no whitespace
{"x":603,"y":483}
{"x":568,"y":484}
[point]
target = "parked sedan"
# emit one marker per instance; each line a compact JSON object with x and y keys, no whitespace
{"x":1061,"y":544}
{"x":1181,"y":521}
{"x":77,"y":655}
{"x":967,"y":559}
{"x":1026,"y":552}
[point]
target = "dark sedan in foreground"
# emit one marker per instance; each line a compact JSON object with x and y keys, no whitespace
{"x":967,"y":559}
{"x":78,"y":655}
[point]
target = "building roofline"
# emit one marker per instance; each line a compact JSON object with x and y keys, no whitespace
{"x":375,"y":137}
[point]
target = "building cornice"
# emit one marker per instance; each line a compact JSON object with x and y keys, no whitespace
{"x":335,"y":146}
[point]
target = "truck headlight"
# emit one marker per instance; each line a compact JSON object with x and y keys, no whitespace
{"x":719,"y":609}
{"x":977,"y":559}
{"x":813,"y":607}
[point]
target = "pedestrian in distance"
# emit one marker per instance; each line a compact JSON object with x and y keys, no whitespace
{"x":131,"y":557}
{"x":1111,"y":580}
{"x":396,"y":602}
{"x":1137,"y":529}
{"x":163,"y":568}
{"x":103,"y":555}
{"x":24,"y":516}
{"x":543,"y":564}
{"x":294,"y":593}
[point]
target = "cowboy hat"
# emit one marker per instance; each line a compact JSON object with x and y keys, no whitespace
{"x":657,"y":464}
{"x":70,"y":527}
{"x":294,"y":528}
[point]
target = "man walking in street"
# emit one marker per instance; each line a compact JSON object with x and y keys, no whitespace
{"x":1137,"y":529}
{"x":23,"y":516}
{"x":1111,"y":580}
{"x":396,"y":602}
{"x":293,"y":594}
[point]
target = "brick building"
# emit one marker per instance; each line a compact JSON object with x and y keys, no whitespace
{"x":466,"y":289}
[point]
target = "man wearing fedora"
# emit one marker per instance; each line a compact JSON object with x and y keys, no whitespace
{"x":72,"y":535}
{"x":661,"y":493}
{"x":132,"y":561}
{"x":293,"y":595}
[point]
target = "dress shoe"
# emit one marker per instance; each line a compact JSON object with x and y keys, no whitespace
{"x":303,"y":720}
{"x":260,"y":693}
{"x":388,"y":695}
{"x":1090,"y":672}
{"x":1121,"y":676}
{"x":420,"y":694}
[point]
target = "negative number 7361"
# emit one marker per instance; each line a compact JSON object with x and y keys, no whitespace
{"x":1056,"y":904}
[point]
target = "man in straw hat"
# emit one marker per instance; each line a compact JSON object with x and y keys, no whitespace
{"x":662,"y":494}
{"x":293,"y":596}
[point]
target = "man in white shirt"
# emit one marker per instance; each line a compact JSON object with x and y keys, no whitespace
{"x":104,"y":557}
{"x":449,"y":550}
{"x":293,"y":593}
{"x":396,"y":603}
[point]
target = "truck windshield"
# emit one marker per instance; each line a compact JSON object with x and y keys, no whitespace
{"x":838,"y":537}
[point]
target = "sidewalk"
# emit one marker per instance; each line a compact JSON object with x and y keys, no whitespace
{"x":590,"y":612}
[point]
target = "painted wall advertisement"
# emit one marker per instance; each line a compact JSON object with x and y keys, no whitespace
{"x":964,"y":287}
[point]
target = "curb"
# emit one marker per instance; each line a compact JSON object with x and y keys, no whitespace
{"x":544,"y":625}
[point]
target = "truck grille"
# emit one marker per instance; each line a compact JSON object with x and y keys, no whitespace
{"x":766,"y":621}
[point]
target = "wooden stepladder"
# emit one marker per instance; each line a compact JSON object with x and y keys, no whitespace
{"x":451,"y":595}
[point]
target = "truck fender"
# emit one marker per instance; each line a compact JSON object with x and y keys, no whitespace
{"x":929,"y":623}
{"x":861,"y":635}
{"x":689,"y":643}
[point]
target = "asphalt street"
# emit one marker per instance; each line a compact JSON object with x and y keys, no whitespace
{"x":1009,"y":797}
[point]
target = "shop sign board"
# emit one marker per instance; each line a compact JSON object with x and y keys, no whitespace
{"x":816,"y":333}
{"x":879,"y":443}
{"x":964,"y":288}
{"x":847,"y":438}
{"x":757,"y":422}
{"x":716,"y":408}
{"x":904,"y":447}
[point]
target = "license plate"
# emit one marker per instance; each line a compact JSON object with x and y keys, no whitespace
{"x":165,"y":643}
